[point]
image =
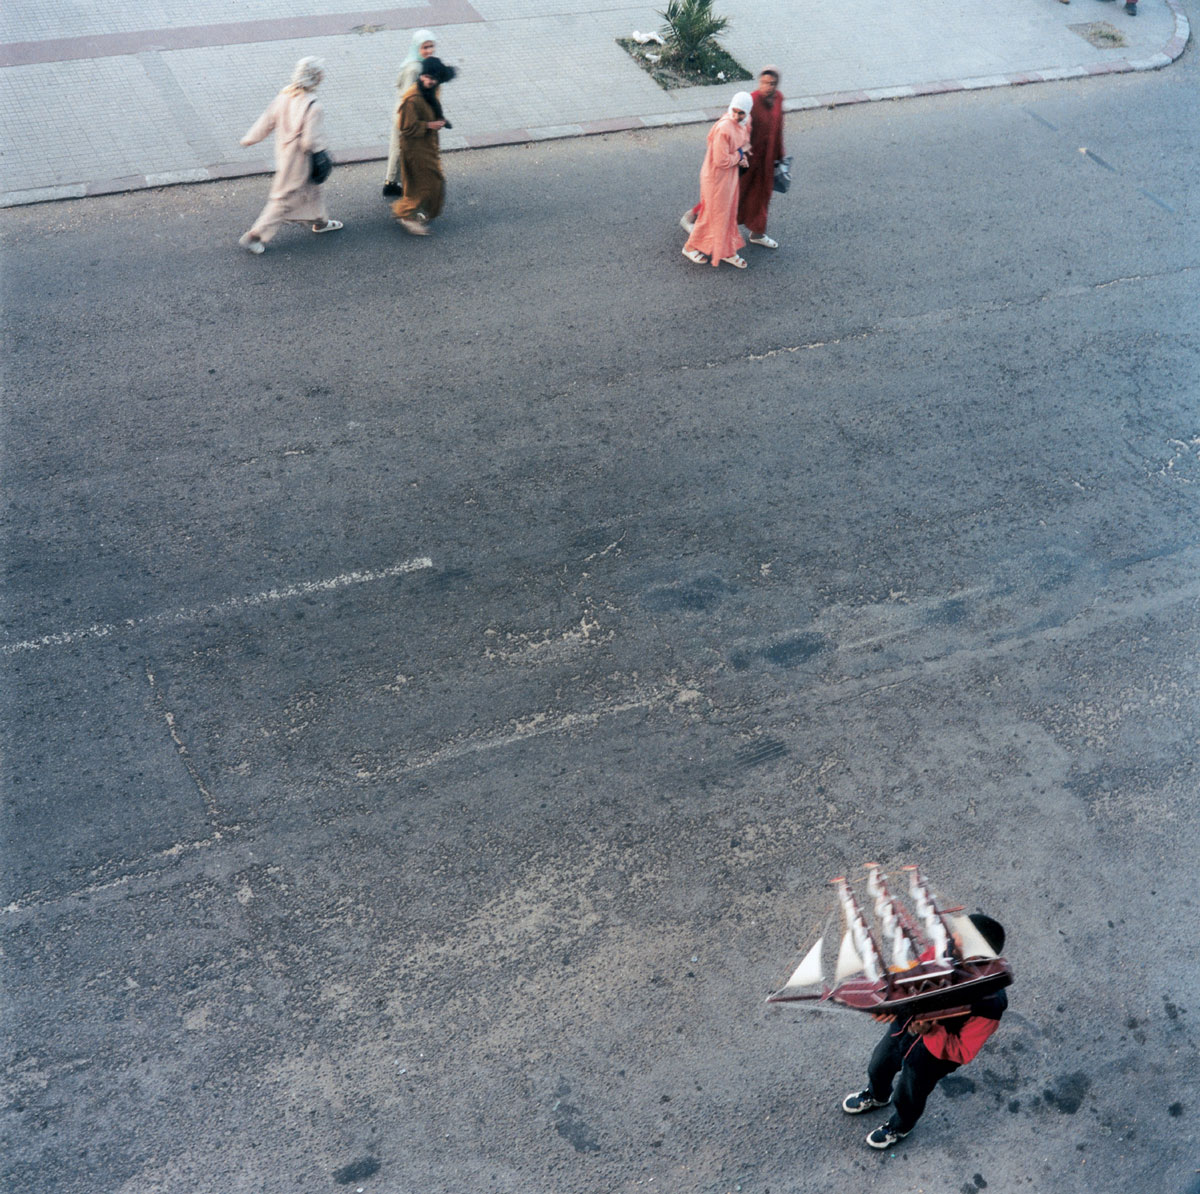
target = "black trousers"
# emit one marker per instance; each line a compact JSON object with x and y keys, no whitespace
{"x":920,"y":1072}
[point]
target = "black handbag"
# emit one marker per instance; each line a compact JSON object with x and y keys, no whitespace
{"x":783,"y":174}
{"x":322,"y":166}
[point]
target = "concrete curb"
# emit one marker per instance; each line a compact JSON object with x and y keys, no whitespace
{"x":523,"y":136}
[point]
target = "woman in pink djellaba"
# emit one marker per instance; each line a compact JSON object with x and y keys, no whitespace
{"x":715,"y":237}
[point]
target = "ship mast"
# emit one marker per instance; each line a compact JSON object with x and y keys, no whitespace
{"x":904,"y":948}
{"x":932,"y":919}
{"x":858,"y":936}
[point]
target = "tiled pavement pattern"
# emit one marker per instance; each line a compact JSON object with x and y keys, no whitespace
{"x":100,"y":98}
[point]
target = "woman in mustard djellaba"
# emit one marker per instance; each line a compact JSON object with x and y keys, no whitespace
{"x":420,"y":119}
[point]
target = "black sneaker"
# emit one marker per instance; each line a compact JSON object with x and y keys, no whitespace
{"x":392,"y":189}
{"x":885,"y":1136}
{"x":864,"y":1100}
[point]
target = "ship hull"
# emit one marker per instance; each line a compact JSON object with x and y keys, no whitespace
{"x":925,"y":991}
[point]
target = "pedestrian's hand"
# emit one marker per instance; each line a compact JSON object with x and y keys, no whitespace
{"x":882,"y":1017}
{"x":437,"y":124}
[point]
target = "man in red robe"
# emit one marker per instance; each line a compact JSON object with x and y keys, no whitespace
{"x":766,"y":148}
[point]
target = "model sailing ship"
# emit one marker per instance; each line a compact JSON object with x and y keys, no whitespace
{"x":940,"y":962}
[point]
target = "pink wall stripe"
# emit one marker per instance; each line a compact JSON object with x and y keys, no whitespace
{"x":194,"y":37}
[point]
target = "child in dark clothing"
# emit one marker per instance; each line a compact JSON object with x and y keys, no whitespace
{"x":923,"y":1052}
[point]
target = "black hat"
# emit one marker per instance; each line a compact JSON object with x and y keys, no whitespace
{"x":435,"y":68}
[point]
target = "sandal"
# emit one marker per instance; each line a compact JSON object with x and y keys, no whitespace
{"x":329,"y":226}
{"x":736,"y":261}
{"x":696,"y":256}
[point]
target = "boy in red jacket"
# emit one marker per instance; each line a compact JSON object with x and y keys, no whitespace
{"x":924,"y":1052}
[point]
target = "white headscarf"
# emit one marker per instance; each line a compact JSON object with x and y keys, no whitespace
{"x":410,"y":68}
{"x":414,"y":50}
{"x":743,"y":102}
{"x":307,"y":74}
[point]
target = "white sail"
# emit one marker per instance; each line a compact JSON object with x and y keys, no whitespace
{"x":809,"y":973}
{"x":848,"y":961}
{"x":941,"y":940}
{"x":925,"y":903}
{"x":874,"y":890}
{"x":864,"y":942}
{"x":974,"y":944}
{"x":919,"y":894}
{"x":903,"y":954}
{"x":892,"y":929}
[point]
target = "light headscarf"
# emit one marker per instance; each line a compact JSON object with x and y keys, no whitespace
{"x":307,"y":74}
{"x":414,"y":50}
{"x":743,"y":102}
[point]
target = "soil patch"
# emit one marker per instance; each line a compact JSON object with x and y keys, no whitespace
{"x":1101,"y":34}
{"x":719,"y":67}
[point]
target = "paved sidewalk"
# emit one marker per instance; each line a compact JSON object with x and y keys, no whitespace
{"x":97,"y":99}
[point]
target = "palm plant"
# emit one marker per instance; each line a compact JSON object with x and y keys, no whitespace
{"x":690,"y":32}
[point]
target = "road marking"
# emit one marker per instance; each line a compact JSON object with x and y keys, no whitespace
{"x":176,"y":617}
{"x":32,"y":901}
{"x":671,"y":695}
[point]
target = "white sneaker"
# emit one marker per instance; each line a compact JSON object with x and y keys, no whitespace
{"x":884,"y":1137}
{"x":764,"y":240}
{"x":862,"y":1100}
{"x":251,"y":244}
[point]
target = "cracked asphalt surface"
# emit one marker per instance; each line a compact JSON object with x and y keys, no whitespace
{"x":442,"y":675}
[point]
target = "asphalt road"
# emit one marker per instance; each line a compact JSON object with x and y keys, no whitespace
{"x":443,"y":674}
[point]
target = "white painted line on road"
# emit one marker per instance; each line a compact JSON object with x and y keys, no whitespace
{"x":945,"y":315}
{"x":671,"y":695}
{"x":537,"y":725}
{"x":812,"y":344}
{"x":65,"y":638}
{"x":34,"y":900}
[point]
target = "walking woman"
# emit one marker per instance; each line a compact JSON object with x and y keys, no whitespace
{"x":422,"y":47}
{"x":295,"y":118}
{"x":419,"y":120}
{"x":715,"y":236}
